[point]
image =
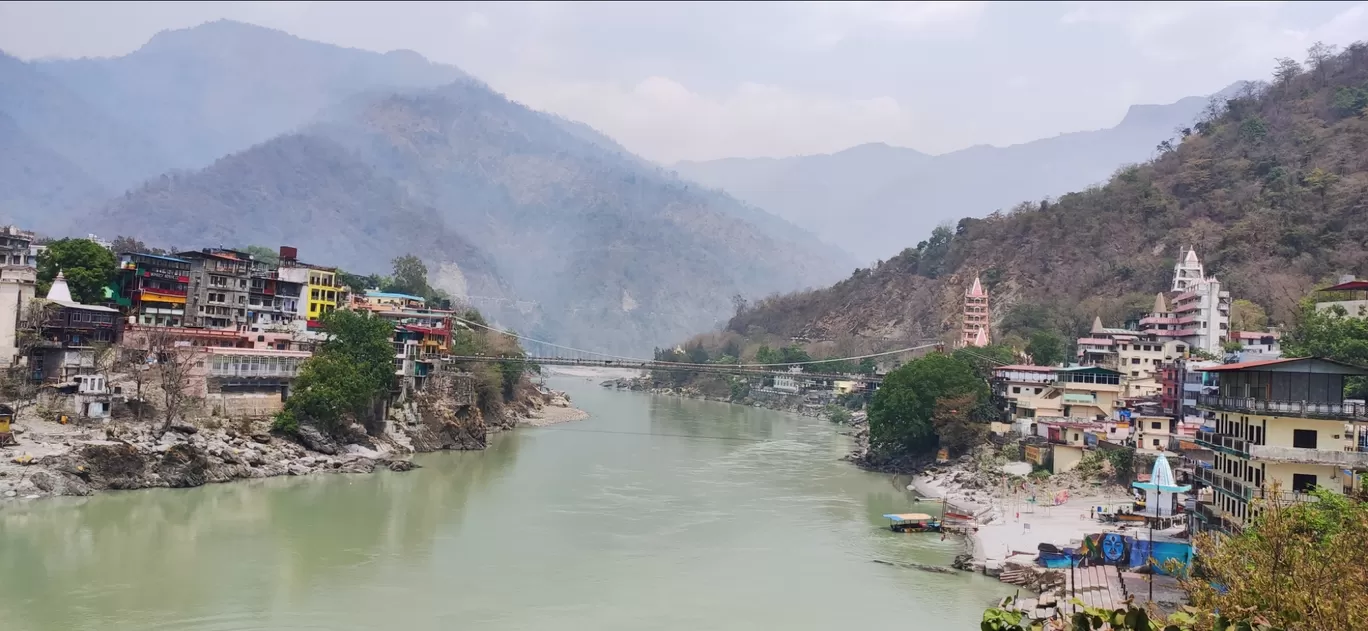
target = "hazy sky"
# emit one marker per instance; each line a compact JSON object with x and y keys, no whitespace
{"x":702,"y":80}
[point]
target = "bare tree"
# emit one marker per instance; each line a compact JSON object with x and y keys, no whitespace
{"x":104,"y":358}
{"x":17,"y":385}
{"x":159,"y":357}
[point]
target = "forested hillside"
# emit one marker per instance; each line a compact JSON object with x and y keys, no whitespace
{"x":1271,"y":188}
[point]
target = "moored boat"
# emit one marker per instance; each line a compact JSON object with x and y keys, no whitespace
{"x":913,"y":522}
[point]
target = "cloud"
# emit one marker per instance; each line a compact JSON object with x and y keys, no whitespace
{"x":664,"y":120}
{"x":826,"y":24}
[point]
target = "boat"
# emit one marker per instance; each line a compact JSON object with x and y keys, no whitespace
{"x":913,"y":522}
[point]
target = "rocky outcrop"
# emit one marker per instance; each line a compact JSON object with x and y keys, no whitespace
{"x":444,"y":415}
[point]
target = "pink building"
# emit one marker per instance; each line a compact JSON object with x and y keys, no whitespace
{"x":975,"y":316}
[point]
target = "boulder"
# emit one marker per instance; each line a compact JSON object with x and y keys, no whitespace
{"x":184,"y":428}
{"x":183,"y":466}
{"x":60,"y":483}
{"x":261,"y":438}
{"x":401,"y":465}
{"x":314,"y":440}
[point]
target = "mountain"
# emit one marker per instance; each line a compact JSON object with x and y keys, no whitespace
{"x":616,"y":253}
{"x":1272,"y":191}
{"x":200,"y":93}
{"x":870,"y":198}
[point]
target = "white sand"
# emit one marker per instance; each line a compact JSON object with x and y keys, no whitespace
{"x":1013,"y":525}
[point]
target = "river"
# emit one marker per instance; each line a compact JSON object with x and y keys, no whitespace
{"x":656,"y":513}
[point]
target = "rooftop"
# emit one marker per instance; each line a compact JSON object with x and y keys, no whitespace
{"x":1353,"y":285}
{"x":155,"y":256}
{"x":370,"y":293}
{"x":1292,"y":364}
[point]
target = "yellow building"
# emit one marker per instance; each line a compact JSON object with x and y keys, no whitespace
{"x":323,"y":290}
{"x":1280,"y":423}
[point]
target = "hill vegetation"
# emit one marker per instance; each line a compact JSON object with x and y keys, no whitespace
{"x":1271,"y":188}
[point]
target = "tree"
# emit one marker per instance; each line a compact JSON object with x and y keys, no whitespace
{"x":958,"y":432}
{"x":697,"y":354}
{"x":17,"y":387}
{"x":984,"y":359}
{"x":123,"y":244}
{"x":1333,"y":334}
{"x":1046,"y":349}
{"x":410,"y":276}
{"x":87,"y":266}
{"x":793,"y":354}
{"x":173,"y":372}
{"x":1298,"y":564}
{"x":263,"y":253}
{"x":1286,"y":70}
{"x":1247,"y":316}
{"x":767,"y":355}
{"x":900,"y":416}
{"x":352,"y":368}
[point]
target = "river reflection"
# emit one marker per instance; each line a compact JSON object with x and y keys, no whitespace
{"x":657,"y":513}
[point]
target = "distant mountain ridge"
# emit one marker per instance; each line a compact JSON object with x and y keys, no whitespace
{"x":873,"y":199}
{"x":358,"y":157}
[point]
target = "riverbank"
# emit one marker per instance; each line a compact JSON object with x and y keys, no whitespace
{"x":81,"y":459}
{"x":1006,"y":522}
{"x":720,"y":392}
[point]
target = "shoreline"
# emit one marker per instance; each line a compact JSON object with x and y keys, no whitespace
{"x":54,"y":460}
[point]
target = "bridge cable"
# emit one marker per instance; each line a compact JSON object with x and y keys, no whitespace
{"x":648,"y":361}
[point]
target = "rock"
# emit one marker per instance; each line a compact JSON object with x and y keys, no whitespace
{"x":401,"y":465}
{"x":11,"y":493}
{"x":60,"y":484}
{"x":314,"y":440}
{"x":183,"y":466}
{"x":118,"y":466}
{"x":184,"y":428}
{"x":357,"y":465}
{"x":264,"y":439}
{"x":297,"y":469}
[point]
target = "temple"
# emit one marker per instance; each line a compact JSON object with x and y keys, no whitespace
{"x":975,"y":316}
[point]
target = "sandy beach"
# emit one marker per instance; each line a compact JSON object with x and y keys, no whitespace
{"x":1009,"y":524}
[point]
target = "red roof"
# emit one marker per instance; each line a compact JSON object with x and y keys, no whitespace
{"x":1353,"y":285}
{"x":1275,"y":362}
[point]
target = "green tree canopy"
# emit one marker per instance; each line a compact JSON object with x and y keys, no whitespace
{"x":1247,"y":316}
{"x":1332,"y":334}
{"x":901,"y":414}
{"x":410,"y":276}
{"x":1046,"y":349}
{"x":87,"y":266}
{"x":353,"y":366}
{"x":263,"y":253}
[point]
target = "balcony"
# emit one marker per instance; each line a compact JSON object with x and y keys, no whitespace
{"x":1220,"y":442}
{"x":1299,"y":409}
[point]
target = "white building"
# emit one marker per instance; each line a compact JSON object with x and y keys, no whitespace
{"x":1198,"y":314}
{"x":789,"y":382}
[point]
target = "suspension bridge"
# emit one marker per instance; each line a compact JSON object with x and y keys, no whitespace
{"x":551,"y":354}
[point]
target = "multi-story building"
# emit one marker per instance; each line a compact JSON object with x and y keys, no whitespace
{"x":1086,"y":393}
{"x":1255,"y":346}
{"x":1350,"y":295}
{"x":1282,"y":424}
{"x":18,"y":283}
{"x":321,"y":292}
{"x":976,"y":316}
{"x":273,"y":303}
{"x":219,"y":288}
{"x":1153,"y":433}
{"x":68,"y":335}
{"x":1197,"y":312}
{"x":16,"y":247}
{"x":1021,"y":383}
{"x":1138,"y":356}
{"x":151,"y":289}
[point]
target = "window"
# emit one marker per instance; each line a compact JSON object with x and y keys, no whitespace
{"x":1037,"y":391}
{"x":1304,"y":438}
{"x":1016,"y":389}
{"x":1135,"y":360}
{"x":1155,"y":442}
{"x":1156,"y":425}
{"x":1135,"y":373}
{"x":1303,"y":482}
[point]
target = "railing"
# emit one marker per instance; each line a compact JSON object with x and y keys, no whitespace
{"x":1213,"y":440}
{"x":1354,"y":410}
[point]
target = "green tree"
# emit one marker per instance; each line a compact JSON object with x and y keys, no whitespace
{"x":793,"y":354}
{"x":1247,"y":316}
{"x":900,"y":416}
{"x":954,"y":424}
{"x":984,"y":359}
{"x":410,"y":276}
{"x":263,"y":253}
{"x":697,"y":354}
{"x":1333,"y":334}
{"x":767,"y":355}
{"x":87,"y":266}
{"x":351,"y":369}
{"x":1046,"y":349}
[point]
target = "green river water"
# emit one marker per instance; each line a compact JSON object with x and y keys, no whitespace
{"x":656,"y":513}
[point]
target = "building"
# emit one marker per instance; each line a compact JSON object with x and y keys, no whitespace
{"x":151,"y":289}
{"x":18,"y":283}
{"x":976,"y":314}
{"x":1020,"y":383}
{"x":376,"y":300}
{"x":321,"y":292}
{"x":273,"y":303}
{"x":1255,"y":346}
{"x":1153,"y":434}
{"x":1197,"y":311}
{"x":17,"y":249}
{"x":1350,"y":295}
{"x":218,"y":290}
{"x":790,"y":382}
{"x":1282,"y":423}
{"x":1083,"y":393}
{"x":68,"y":335}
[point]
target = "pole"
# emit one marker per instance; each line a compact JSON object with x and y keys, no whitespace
{"x":1073,"y":581}
{"x":1158,"y":501}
